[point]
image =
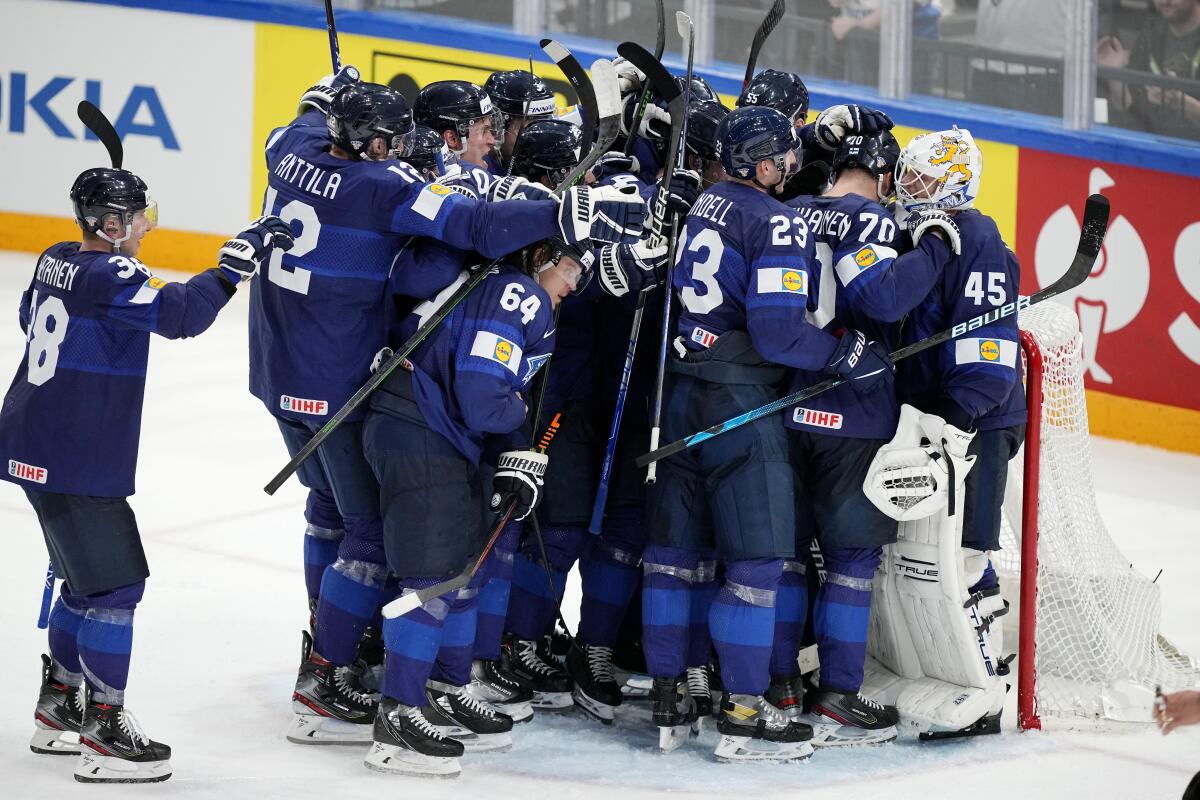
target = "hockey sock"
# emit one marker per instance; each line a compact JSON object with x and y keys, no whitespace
{"x":105,"y":641}
{"x":742,"y":621}
{"x":703,"y":590}
{"x":609,"y":571}
{"x":842,"y":614}
{"x":350,"y":597}
{"x":65,"y":620}
{"x":411,"y":645}
{"x":453,"y":664}
{"x":531,"y":606}
{"x":791,"y":611}
{"x":494,"y":593}
{"x":668,"y":575}
{"x":321,"y":539}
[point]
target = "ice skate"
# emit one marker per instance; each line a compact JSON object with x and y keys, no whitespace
{"x":787,"y":694}
{"x":407,"y":743}
{"x":637,"y":687}
{"x":494,"y":683}
{"x":58,"y":715}
{"x":460,"y":715}
{"x":596,"y":690}
{"x":113,"y":749}
{"x":754,"y":730}
{"x":551,"y":685}
{"x":701,"y":693}
{"x":674,"y":712}
{"x":841,"y":719}
{"x":329,"y":703}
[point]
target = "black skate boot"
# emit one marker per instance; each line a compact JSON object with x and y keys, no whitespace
{"x":674,"y":712}
{"x":329,"y":703}
{"x":754,"y":730}
{"x":787,"y":694}
{"x":494,"y":683}
{"x":551,"y":685}
{"x":407,"y":743}
{"x":847,"y":718}
{"x":113,"y":749}
{"x":58,"y":715}
{"x":596,"y":690}
{"x":460,"y":715}
{"x":701,"y":692}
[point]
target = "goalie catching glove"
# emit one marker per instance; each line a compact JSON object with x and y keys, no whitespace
{"x":241,"y":256}
{"x":913,"y":476}
{"x":603,"y":213}
{"x":518,"y":478}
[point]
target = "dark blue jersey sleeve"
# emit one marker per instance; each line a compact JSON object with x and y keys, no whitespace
{"x":884,"y":284}
{"x":138,"y":300}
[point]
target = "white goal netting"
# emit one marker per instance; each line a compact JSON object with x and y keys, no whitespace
{"x":1098,"y":654}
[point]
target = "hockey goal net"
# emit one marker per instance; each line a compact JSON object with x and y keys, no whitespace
{"x":1089,"y":650}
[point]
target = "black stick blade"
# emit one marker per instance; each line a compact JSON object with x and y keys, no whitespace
{"x":99,"y":125}
{"x":656,"y":73}
{"x":764,"y":30}
{"x":1095,"y":224}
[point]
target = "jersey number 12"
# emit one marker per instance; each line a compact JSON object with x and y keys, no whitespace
{"x":297,"y":278}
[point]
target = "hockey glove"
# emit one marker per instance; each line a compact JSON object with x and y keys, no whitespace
{"x":913,"y":476}
{"x":615,"y":163}
{"x":926,"y":220}
{"x":604,"y":213}
{"x":835,"y":122}
{"x":685,"y":188}
{"x":866,"y":365}
{"x":242,"y":255}
{"x":628,"y":268}
{"x":320,"y":95}
{"x":629,"y":77}
{"x":518,"y":477}
{"x":460,"y":183}
{"x":515,"y":188}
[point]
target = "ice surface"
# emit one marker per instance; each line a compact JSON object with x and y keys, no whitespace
{"x":218,"y":637}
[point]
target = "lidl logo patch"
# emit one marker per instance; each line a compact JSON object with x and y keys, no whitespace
{"x":866,"y":257}
{"x":156,"y":283}
{"x":503,"y":351}
{"x":792,"y":281}
{"x":989,"y":350}
{"x":497,"y":349}
{"x":438,"y":189}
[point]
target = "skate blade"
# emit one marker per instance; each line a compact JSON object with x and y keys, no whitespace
{"x":601,"y":712}
{"x":672,"y":737}
{"x":827,"y":733}
{"x":313,"y":729}
{"x":477,"y":742}
{"x":699,"y":726}
{"x":51,"y":742}
{"x":400,"y":761}
{"x":520,"y":712}
{"x":739,"y":749}
{"x":552,"y":701}
{"x":95,"y":768}
{"x":637,"y":687}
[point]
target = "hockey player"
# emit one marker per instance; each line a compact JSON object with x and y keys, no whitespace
{"x":973,"y":423}
{"x":521,"y":98}
{"x":465,"y":117}
{"x":743,"y":277}
{"x":349,"y":195}
{"x":866,"y":285}
{"x":69,"y":433}
{"x":424,"y":438}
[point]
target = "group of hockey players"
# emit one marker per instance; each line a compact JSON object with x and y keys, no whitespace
{"x":805,"y":251}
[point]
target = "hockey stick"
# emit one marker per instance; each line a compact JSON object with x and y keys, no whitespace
{"x":660,"y":44}
{"x":1095,"y":224}
{"x":609,"y":110}
{"x":103,"y":130}
{"x":335,"y":52}
{"x":658,"y":80}
{"x":760,"y":37}
{"x":688,"y":33}
{"x":584,"y":90}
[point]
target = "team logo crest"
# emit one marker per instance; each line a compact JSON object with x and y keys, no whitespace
{"x":503,"y":351}
{"x":792,"y":281}
{"x":866,"y":257}
{"x":989,"y":350}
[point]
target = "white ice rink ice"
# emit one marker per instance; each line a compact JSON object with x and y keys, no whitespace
{"x":217,"y":639}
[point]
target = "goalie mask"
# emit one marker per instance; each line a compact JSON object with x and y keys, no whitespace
{"x":939,"y":170}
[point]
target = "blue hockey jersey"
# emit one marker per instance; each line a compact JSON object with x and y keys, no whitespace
{"x":73,"y":413}
{"x":748,"y":263}
{"x":973,"y":381}
{"x":318,"y":313}
{"x":864,"y":284}
{"x":467,"y":374}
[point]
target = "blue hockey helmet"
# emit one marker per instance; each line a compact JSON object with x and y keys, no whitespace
{"x":362,"y":112}
{"x":704,"y":117}
{"x":756,"y":133}
{"x":782,"y":91}
{"x":103,"y":191}
{"x":579,"y":252}
{"x":546,"y":149}
{"x":429,"y":153}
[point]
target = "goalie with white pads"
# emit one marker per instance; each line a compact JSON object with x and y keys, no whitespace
{"x":935,"y":640}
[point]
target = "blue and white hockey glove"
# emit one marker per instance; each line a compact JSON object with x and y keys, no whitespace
{"x":518,"y":477}
{"x":926,"y":220}
{"x":834,"y":123}
{"x":626,"y":268}
{"x":603,"y":213}
{"x":243,"y":254}
{"x":460,"y":183}
{"x":615,"y":163}
{"x":866,"y":365}
{"x":320,"y":94}
{"x":517,"y":188}
{"x":685,"y":188}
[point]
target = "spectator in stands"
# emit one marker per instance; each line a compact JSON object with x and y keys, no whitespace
{"x":867,"y":15}
{"x":1029,"y":30}
{"x":1168,"y":46}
